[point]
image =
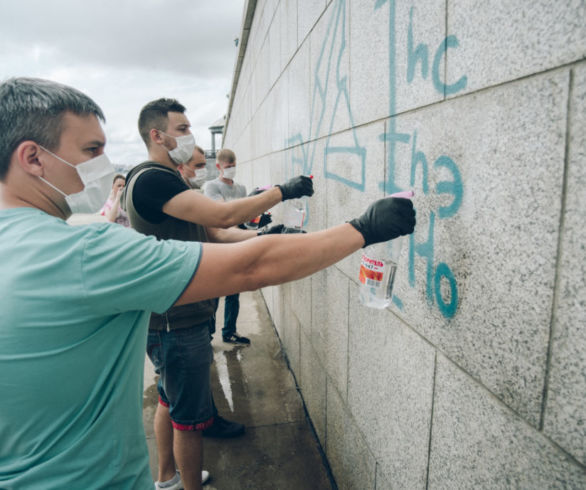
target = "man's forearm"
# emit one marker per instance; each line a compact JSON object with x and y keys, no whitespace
{"x":267,"y":260}
{"x":300,"y":255}
{"x":229,"y":235}
{"x":196,"y":208}
{"x":248,"y":208}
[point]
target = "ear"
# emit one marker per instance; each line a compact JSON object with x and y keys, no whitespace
{"x":156,"y":136}
{"x":27,"y":155}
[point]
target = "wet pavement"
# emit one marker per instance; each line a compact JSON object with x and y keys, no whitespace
{"x":253,"y":385}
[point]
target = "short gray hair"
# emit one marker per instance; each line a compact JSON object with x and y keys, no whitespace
{"x":33,"y":109}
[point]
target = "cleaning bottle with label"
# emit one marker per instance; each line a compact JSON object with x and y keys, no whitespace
{"x":295,"y":212}
{"x":378,"y":268}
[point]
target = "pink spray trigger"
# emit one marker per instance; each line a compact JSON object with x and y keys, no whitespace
{"x":403,"y":195}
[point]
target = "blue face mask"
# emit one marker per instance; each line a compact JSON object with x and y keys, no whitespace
{"x":96,"y":175}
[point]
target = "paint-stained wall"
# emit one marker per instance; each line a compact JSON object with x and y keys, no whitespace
{"x":475,"y":377}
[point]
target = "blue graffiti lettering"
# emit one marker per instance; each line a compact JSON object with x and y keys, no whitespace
{"x":443,"y":271}
{"x":420,"y":53}
{"x":303,"y":154}
{"x":449,"y":42}
{"x":453,"y":187}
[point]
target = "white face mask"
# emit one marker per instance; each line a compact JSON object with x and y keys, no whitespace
{"x":96,"y":175}
{"x":200,"y":176}
{"x":183,"y":152}
{"x":230,"y":173}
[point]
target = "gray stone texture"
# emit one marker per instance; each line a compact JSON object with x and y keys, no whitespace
{"x":277,"y":115}
{"x":307,"y":15}
{"x":479,"y":443}
{"x":380,"y":88}
{"x":330,"y":69}
{"x":301,"y":302}
{"x":500,"y":244}
{"x":352,"y":463}
{"x":390,"y":391}
{"x":355,"y":164}
{"x":289,"y":41}
{"x":275,"y":55}
{"x":291,"y":341}
{"x":565,"y":415}
{"x":299,"y":95}
{"x":312,"y":382}
{"x":503,"y":40}
{"x":334,"y":331}
{"x":492,"y":283}
{"x":319,"y":319}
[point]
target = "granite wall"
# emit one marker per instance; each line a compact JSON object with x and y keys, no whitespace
{"x":475,"y":376}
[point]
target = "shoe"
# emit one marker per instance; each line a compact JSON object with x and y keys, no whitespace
{"x":205,"y":476}
{"x":236,"y":339}
{"x":176,"y":484}
{"x":223,"y":428}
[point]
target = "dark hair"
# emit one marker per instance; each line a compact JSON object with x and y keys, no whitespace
{"x":33,"y":109}
{"x":155,"y":115}
{"x":118,"y":176}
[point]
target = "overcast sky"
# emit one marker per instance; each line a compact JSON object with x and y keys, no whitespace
{"x":125,"y":53}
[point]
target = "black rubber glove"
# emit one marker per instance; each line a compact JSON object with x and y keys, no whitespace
{"x":296,"y":187}
{"x":272,"y":230}
{"x":292,"y":230}
{"x":386,"y":219}
{"x":265,"y":219}
{"x":255,"y":191}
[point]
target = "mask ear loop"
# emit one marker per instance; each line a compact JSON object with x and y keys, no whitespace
{"x":57,"y":156}
{"x":45,"y":180}
{"x":51,"y":185}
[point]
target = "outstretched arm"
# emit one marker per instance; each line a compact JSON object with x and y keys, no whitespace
{"x":270,"y":259}
{"x":194,"y":207}
{"x":226,"y":269}
{"x":229,"y":235}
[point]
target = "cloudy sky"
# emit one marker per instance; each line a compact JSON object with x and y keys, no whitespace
{"x":125,"y":53}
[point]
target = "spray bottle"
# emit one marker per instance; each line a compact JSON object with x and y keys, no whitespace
{"x":378,"y":268}
{"x":295,"y":212}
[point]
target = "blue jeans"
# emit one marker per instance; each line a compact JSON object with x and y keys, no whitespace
{"x":231,"y":309}
{"x":182,"y":358}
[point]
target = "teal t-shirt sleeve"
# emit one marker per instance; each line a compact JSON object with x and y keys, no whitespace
{"x":123,"y":270}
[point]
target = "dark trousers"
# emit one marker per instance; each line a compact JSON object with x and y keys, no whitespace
{"x":231,"y":309}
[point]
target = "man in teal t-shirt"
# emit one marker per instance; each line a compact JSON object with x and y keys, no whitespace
{"x":84,"y":368}
{"x":74,"y":312}
{"x":75,"y":302}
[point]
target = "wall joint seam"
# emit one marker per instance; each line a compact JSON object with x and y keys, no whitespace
{"x":431,"y":419}
{"x":559,"y":248}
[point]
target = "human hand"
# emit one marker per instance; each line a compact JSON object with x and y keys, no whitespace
{"x":386,"y":219}
{"x":276,"y":229}
{"x":119,"y":192}
{"x":257,"y":190}
{"x":264,"y":220}
{"x":292,"y":230}
{"x":296,"y":187}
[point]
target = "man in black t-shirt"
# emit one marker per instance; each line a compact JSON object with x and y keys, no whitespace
{"x":160,"y":203}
